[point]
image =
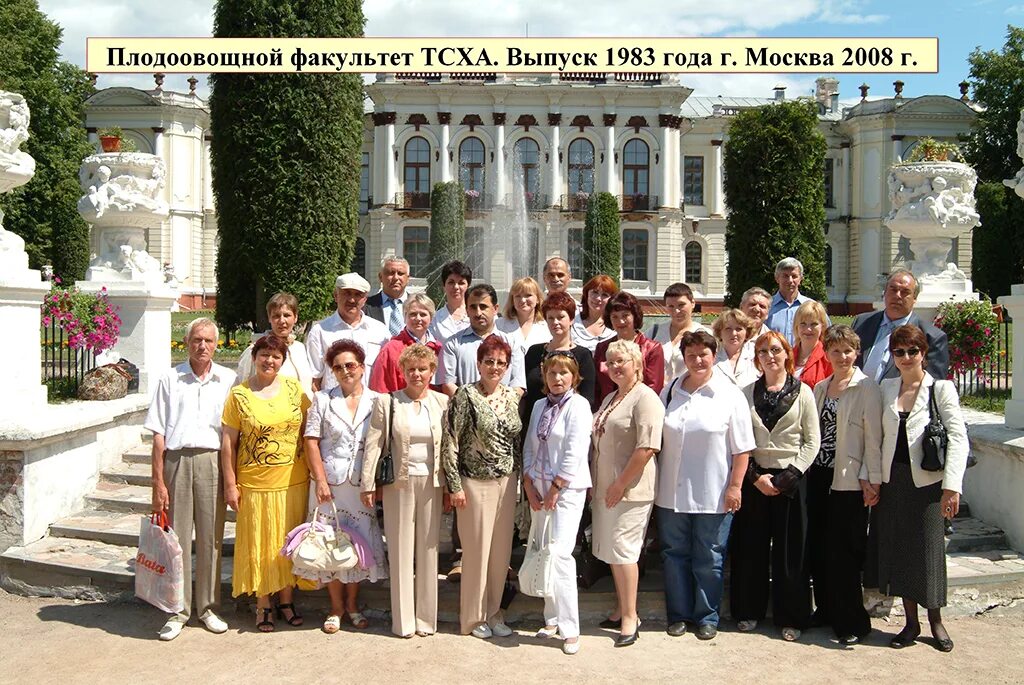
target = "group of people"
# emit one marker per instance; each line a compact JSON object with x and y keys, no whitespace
{"x":769,"y":439}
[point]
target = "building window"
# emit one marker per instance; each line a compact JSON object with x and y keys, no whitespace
{"x":574,"y":251}
{"x":359,"y":257}
{"x":473,"y":251}
{"x":692,"y":262}
{"x":525,"y":252}
{"x":415,"y":248}
{"x":830,"y":182}
{"x":581,"y":169}
{"x":693,"y":180}
{"x":828,"y":266}
{"x":635,"y":176}
{"x":526,"y":171}
{"x":364,"y":183}
{"x":471,"y":166}
{"x":634,"y":254}
{"x":417,"y":173}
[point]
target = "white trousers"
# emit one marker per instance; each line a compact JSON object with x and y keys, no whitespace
{"x":562,"y":609}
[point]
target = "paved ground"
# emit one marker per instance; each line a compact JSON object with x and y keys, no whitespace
{"x":47,"y":640}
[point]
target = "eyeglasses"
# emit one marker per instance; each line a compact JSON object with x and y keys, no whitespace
{"x":348,"y":366}
{"x":559,"y":353}
{"x":618,"y":363}
{"x":906,"y":352}
{"x":495,"y":363}
{"x":770,"y":352}
{"x":599,"y":294}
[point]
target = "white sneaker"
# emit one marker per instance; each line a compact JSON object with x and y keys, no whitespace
{"x":213,"y":622}
{"x":482,"y":631}
{"x":171,"y":629}
{"x":571,"y":647}
{"x":499,"y":629}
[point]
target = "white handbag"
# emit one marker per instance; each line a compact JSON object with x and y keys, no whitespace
{"x":324,"y":550}
{"x":536,"y":576}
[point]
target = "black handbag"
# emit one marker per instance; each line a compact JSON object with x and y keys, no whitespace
{"x":935,"y":439}
{"x":386,"y":465}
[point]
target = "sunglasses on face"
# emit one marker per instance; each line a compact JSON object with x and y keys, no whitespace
{"x":770,"y":351}
{"x":348,"y":366}
{"x":495,"y":363}
{"x":906,"y":352}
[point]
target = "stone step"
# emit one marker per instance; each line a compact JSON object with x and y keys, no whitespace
{"x":116,"y":529}
{"x":974,"y":535}
{"x":129,"y":473}
{"x":140,"y":454}
{"x":126,"y":499}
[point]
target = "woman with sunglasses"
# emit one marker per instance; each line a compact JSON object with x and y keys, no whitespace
{"x":906,"y":524}
{"x":768,"y":528}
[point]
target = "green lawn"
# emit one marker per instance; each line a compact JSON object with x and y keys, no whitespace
{"x":226,"y":349}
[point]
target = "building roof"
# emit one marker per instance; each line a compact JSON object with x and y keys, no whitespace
{"x":703,"y":107}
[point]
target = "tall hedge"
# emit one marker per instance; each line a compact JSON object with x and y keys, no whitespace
{"x":447,"y":233}
{"x":774,"y":187}
{"x":43,"y":211}
{"x":285,"y":159}
{"x":998,"y":246}
{"x":602,"y":239}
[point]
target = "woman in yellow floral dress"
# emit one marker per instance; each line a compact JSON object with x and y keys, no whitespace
{"x":265,"y":479}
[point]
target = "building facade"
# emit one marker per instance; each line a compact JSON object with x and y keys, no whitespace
{"x":528,"y":152}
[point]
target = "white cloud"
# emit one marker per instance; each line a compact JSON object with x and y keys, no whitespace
{"x":846,"y":12}
{"x":1015,"y":9}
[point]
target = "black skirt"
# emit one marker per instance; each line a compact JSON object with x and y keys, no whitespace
{"x":908,"y":537}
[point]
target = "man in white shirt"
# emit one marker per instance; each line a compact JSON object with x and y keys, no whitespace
{"x":349,"y":322}
{"x":388,"y":305}
{"x":557,"y":275}
{"x":185,"y":417}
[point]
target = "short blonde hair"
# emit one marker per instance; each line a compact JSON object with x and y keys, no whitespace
{"x":421,"y":300}
{"x":629,"y":349}
{"x":517,"y":287}
{"x":811,"y":309}
{"x":417,"y":353}
{"x":737,"y":316}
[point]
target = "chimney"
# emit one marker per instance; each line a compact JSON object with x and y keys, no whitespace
{"x":835,"y":102}
{"x":826,"y":92}
{"x":780,"y":92}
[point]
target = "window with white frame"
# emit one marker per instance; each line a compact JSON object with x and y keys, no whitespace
{"x":634,"y":254}
{"x":693,"y":254}
{"x":415,"y":249}
{"x":364,"y":183}
{"x":574,"y":251}
{"x":693,"y":180}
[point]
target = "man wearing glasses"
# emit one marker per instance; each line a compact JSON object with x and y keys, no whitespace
{"x":874,"y":329}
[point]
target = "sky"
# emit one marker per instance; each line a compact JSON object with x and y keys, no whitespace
{"x":960,"y":27}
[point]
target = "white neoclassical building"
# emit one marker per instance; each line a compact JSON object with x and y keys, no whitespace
{"x":529,"y":150}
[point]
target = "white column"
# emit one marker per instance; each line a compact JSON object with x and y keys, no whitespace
{"x":663,"y":187}
{"x":378,"y":164}
{"x":446,"y":167}
{"x":391,"y":186}
{"x":499,"y":158}
{"x":556,"y":167}
{"x":847,"y":178}
{"x":158,"y":141}
{"x":717,"y":192}
{"x":897,"y":146}
{"x":609,"y":169}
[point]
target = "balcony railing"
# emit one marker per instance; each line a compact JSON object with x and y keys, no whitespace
{"x":638,"y":203}
{"x":478,"y":202}
{"x":534,"y":201}
{"x":575,"y":202}
{"x":412,"y":200}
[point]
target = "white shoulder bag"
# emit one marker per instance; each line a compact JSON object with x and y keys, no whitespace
{"x":536,"y":577}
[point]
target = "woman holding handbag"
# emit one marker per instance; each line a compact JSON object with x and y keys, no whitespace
{"x":335,"y":444}
{"x":919,"y":486}
{"x":768,"y":528}
{"x":556,"y":477}
{"x":408,"y":426}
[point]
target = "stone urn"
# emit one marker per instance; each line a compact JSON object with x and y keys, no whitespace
{"x":932,"y":203}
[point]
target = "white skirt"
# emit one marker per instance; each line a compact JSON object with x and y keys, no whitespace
{"x":364,"y":521}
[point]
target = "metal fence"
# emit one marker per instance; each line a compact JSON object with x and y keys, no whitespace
{"x":63,"y":367}
{"x":997,"y":373}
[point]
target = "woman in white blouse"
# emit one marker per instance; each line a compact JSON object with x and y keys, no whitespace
{"x":679,"y":303}
{"x":452,"y":317}
{"x":335,"y":443}
{"x":522,"y":316}
{"x":413,"y":503}
{"x":588,"y":328}
{"x":556,"y":477}
{"x":735,"y":358}
{"x":283,"y":313}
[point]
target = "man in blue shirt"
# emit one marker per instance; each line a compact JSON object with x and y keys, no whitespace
{"x":789,"y":273}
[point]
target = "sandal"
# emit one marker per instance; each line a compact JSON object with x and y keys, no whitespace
{"x":295,"y":621}
{"x":332,"y":624}
{"x":267,"y":624}
{"x":358,"y":621}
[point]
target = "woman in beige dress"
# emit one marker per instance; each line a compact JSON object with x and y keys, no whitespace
{"x":627,"y":433}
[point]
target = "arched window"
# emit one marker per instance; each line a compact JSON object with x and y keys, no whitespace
{"x":636,"y":176}
{"x":359,"y":258}
{"x":828,"y":266}
{"x":527,"y":170}
{"x":693,"y":254}
{"x":581,"y":173}
{"x":417,"y":173}
{"x":471,"y":168}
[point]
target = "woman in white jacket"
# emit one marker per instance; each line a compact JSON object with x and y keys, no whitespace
{"x":556,"y":476}
{"x":913,"y":501}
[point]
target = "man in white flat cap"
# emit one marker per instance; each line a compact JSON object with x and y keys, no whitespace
{"x":349,"y":322}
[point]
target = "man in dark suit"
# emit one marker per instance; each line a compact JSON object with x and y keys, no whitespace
{"x":388,"y":304}
{"x":874,"y":329}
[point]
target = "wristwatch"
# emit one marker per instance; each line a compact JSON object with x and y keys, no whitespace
{"x":558,"y":487}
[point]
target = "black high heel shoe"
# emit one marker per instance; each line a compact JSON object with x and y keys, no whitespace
{"x":295,"y":621}
{"x":627,"y":640}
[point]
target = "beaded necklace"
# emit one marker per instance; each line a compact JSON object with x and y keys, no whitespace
{"x":602,"y":417}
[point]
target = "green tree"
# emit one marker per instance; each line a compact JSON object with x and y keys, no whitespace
{"x":996,"y":79}
{"x":998,"y":247}
{"x":447,"y":233}
{"x":43,"y":210}
{"x":602,"y":239}
{"x":776,"y":197}
{"x":285,"y":161}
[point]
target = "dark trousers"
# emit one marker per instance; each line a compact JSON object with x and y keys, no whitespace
{"x":769,"y":531}
{"x":836,"y":542}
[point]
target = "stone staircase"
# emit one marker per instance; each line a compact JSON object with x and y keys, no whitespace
{"x":91,"y":555}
